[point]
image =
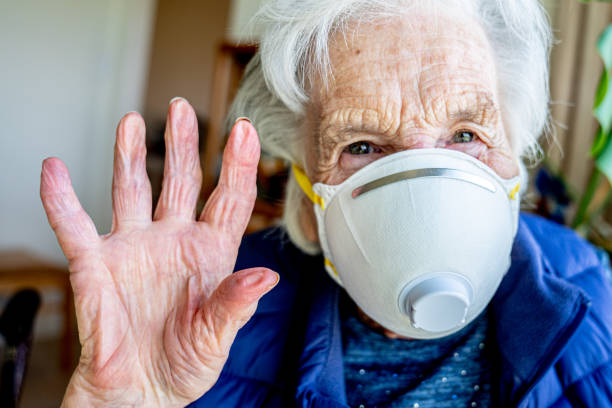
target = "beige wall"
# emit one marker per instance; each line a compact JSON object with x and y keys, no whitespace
{"x":186,"y":36}
{"x":69,"y":69}
{"x":241,"y":12}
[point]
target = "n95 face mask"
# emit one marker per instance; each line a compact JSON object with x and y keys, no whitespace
{"x":419,"y":239}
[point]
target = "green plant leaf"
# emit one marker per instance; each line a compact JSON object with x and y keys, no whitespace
{"x":604,"y":46}
{"x":601,"y":149}
{"x":602,"y":89}
{"x":603,"y":110}
{"x":599,"y":143}
{"x":602,"y":107}
{"x":604,"y":160}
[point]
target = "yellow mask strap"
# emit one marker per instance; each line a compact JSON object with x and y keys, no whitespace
{"x":514,"y":191}
{"x":306,"y":186}
{"x":331,"y":265}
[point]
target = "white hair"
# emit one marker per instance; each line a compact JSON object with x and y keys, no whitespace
{"x":294,"y":47}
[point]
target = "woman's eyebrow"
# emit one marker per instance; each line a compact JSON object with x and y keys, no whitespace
{"x":357,"y":122}
{"x":469,"y":115}
{"x":483,"y":111}
{"x":347,"y":131}
{"x":479,"y":108}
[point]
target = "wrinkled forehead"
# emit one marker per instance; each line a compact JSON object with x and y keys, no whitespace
{"x":419,"y":54}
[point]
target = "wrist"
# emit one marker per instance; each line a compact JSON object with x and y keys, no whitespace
{"x":78,"y":397}
{"x":81,"y":393}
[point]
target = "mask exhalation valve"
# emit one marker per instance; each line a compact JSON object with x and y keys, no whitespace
{"x":438,"y":303}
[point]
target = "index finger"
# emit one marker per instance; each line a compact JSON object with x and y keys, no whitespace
{"x":231,"y":203}
{"x":74,"y":229}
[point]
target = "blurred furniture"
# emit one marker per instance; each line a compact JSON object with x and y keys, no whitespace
{"x":16,"y":323}
{"x":22,"y":269}
{"x":230,"y":63}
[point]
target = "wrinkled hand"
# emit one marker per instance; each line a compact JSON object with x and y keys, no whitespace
{"x":157,"y":305}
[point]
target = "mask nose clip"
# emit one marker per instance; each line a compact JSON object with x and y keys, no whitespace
{"x":437,"y":302}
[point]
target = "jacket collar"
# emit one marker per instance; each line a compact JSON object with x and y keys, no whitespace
{"x":321,"y":371}
{"x":534,"y":314}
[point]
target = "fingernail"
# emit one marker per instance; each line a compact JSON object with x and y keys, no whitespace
{"x":240,"y":134}
{"x":252,"y":279}
{"x":242,"y":118}
{"x":54,"y":169}
{"x":129,"y":117}
{"x":276,"y":280}
{"x":178,"y":113}
{"x":176,"y":98}
{"x":51,"y":162}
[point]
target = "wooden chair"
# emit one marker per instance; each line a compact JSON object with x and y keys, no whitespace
{"x":16,"y":324}
{"x":22,"y":269}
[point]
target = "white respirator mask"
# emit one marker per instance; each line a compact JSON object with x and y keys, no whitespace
{"x":419,"y":239}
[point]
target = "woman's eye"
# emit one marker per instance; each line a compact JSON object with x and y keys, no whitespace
{"x":463,"y":136}
{"x":359,"y":148}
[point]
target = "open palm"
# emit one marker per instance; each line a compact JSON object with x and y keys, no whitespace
{"x":157,"y":305}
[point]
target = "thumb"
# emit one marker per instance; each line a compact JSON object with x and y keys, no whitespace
{"x":234,"y":301}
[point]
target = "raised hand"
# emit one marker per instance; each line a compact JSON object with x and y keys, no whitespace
{"x":157,"y":305}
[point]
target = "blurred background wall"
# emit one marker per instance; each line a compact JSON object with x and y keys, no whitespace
{"x":185,"y":41}
{"x":69,"y":69}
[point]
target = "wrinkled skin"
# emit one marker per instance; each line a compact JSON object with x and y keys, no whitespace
{"x":157,"y":305}
{"x":404,"y":84}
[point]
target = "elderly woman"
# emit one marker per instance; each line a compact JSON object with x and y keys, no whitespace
{"x":403,"y":275}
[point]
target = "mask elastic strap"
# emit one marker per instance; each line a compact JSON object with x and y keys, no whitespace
{"x":329,"y":264}
{"x":306,"y":186}
{"x":514,"y":192}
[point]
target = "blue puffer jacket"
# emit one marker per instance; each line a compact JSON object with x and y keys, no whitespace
{"x":551,"y":324}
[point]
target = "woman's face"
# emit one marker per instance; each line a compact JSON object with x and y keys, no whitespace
{"x":405,"y":84}
{"x":419,"y":82}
